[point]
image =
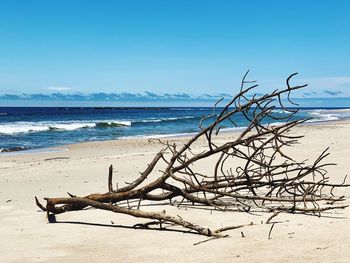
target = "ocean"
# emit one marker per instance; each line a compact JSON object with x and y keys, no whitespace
{"x":24,"y":128}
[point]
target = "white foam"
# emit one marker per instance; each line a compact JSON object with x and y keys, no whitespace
{"x":322,"y":115}
{"x":22,"y":128}
{"x":282,"y":111}
{"x":72,"y":126}
{"x":25,"y":127}
{"x":113,"y":123}
{"x":124,"y":123}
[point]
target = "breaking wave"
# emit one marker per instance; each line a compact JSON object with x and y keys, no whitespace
{"x":22,"y":127}
{"x":106,"y":124}
{"x":25,"y":127}
{"x":322,"y":115}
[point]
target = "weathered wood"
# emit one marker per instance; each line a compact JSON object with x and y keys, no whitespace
{"x":110,"y":179}
{"x":268,"y":178}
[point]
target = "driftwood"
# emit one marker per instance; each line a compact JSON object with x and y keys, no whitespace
{"x":252,"y":171}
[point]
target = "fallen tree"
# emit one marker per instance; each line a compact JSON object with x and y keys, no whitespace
{"x":251,"y":171}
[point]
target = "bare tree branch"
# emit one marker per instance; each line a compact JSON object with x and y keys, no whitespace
{"x":254,"y":170}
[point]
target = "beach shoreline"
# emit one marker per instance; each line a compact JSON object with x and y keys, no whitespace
{"x":235,"y":130}
{"x":36,"y":136}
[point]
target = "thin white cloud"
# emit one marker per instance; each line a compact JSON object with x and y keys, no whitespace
{"x":58,"y":88}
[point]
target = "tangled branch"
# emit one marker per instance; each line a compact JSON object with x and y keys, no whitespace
{"x":251,"y":171}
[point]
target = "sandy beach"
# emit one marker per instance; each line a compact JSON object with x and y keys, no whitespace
{"x":100,"y":236}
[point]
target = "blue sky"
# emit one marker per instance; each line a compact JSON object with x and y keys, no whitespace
{"x":175,"y":47}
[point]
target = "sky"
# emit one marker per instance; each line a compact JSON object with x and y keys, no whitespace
{"x":194,"y":49}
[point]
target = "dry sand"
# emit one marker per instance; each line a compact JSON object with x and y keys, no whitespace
{"x":89,"y":236}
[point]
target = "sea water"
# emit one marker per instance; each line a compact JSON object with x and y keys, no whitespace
{"x":23,"y":128}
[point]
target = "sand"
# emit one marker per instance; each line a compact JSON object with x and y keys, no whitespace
{"x":90,"y":236}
